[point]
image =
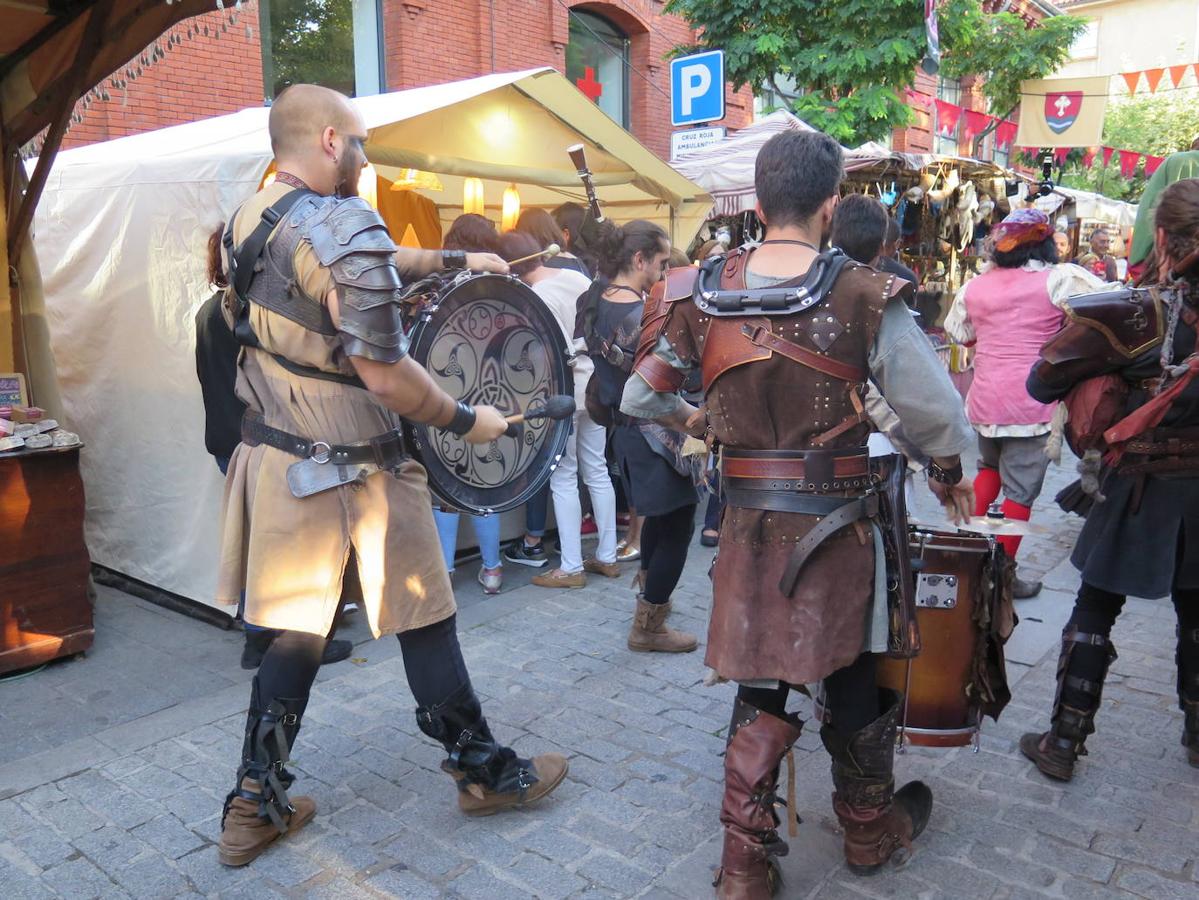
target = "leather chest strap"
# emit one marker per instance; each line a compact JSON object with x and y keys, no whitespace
{"x":764,"y":337}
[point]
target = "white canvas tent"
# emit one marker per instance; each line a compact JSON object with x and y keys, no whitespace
{"x":120,"y":235}
{"x":726,"y":169}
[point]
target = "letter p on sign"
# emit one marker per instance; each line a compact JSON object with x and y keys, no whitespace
{"x":697,"y":88}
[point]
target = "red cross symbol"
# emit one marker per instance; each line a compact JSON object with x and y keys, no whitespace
{"x":589,"y":86}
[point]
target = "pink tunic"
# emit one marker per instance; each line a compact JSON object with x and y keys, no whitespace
{"x":1013,"y":316}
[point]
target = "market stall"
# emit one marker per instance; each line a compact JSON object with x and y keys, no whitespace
{"x":50,"y":55}
{"x":121,"y":233}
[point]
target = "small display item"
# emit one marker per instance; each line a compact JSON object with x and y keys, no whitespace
{"x":12,"y":391}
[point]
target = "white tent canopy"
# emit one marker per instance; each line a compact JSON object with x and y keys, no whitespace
{"x":120,"y":235}
{"x":1089,"y":205}
{"x":726,"y":169}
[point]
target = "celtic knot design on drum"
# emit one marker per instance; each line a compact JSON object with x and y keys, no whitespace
{"x":489,"y":354}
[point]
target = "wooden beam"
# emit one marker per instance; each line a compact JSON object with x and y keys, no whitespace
{"x":66,"y":12}
{"x":72,"y":86}
{"x":8,"y":302}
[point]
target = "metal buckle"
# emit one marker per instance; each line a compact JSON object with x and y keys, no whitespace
{"x":320,"y":457}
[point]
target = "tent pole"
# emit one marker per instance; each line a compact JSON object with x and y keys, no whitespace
{"x":7,"y":316}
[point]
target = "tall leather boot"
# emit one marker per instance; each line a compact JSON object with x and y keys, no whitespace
{"x":258,"y":810}
{"x":1077,"y":700}
{"x":877,"y":820}
{"x":490,"y":778}
{"x":757,"y":744}
{"x":1187,"y":658}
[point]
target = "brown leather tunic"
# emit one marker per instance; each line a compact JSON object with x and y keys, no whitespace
{"x":760,"y":400}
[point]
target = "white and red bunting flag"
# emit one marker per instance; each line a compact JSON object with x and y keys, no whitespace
{"x":1062,"y":112}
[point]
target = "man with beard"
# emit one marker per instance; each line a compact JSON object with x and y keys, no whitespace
{"x":786,"y":338}
{"x":324,"y":372}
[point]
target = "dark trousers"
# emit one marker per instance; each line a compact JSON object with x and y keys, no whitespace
{"x":664,"y":543}
{"x":850,"y":696}
{"x":432,"y":661}
{"x":1096,"y":611}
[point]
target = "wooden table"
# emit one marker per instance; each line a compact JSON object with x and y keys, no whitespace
{"x":45,"y":611}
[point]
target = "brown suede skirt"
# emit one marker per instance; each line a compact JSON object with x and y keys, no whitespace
{"x":757,"y":632}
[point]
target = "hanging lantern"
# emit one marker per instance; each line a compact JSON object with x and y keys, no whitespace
{"x":472,"y":196}
{"x":511,"y":208}
{"x":368,"y":186}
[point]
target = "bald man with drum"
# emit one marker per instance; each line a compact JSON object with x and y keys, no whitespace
{"x":314,"y":283}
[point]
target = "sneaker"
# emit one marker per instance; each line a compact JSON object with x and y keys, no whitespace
{"x":523,"y":555}
{"x":589,"y":526}
{"x":609,"y":570}
{"x":491,"y":579}
{"x":559,"y":579}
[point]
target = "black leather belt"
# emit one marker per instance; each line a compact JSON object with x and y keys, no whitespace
{"x":385,"y":450}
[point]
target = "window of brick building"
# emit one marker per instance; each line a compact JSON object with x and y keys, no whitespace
{"x":597,"y":62}
{"x":331,"y":42}
{"x":950,"y":92}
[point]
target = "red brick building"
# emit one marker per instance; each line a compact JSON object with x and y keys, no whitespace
{"x":225,"y":61}
{"x":922,"y":136}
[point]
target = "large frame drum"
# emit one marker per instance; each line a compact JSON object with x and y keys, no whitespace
{"x":938,"y":712}
{"x":488,"y":339}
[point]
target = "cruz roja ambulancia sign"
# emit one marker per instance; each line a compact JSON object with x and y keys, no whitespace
{"x":697,"y":88}
{"x":684,"y":142}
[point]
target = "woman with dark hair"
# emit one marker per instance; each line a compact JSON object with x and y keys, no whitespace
{"x":571,"y":219}
{"x":473,"y":233}
{"x":541,"y":227}
{"x":1006,"y":314}
{"x":659,"y":480}
{"x":1142,"y":537}
{"x":560,"y":290}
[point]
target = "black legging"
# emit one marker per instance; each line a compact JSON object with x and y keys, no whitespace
{"x":664,"y":543}
{"x":1095,"y":612}
{"x":432,"y":661}
{"x":850,"y":696}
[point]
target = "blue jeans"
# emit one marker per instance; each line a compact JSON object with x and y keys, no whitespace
{"x":487,"y":531}
{"x":537,"y":513}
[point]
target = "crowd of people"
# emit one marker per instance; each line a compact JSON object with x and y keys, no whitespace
{"x":786,"y":355}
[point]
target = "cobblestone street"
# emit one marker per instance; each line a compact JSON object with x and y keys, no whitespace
{"x":113,"y":767}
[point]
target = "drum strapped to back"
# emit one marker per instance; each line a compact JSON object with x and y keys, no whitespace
{"x":488,"y":340}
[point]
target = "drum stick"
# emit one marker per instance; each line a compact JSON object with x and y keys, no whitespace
{"x":560,"y":406}
{"x":551,"y":250}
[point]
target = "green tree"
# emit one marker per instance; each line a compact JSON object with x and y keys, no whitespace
{"x":1155,"y":124}
{"x":852,"y":59}
{"x":311,"y":42}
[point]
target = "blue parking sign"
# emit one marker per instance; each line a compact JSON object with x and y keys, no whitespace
{"x":697,"y":88}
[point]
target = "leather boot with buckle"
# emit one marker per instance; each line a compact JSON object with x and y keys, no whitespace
{"x":758,"y":742}
{"x":258,"y":811}
{"x":490,"y":778}
{"x":879,"y":822}
{"x":1057,"y":750}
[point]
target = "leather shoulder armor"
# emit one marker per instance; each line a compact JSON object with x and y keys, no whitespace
{"x":1131,"y":318}
{"x":1104,"y":332}
{"x":351,"y":240}
{"x":1117,"y":326}
{"x":678,"y":285}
